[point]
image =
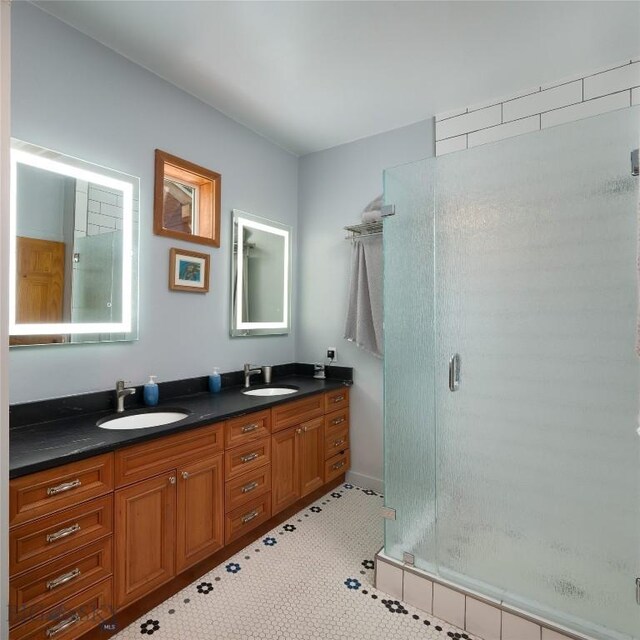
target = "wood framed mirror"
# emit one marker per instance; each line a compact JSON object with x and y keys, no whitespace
{"x":186,"y":200}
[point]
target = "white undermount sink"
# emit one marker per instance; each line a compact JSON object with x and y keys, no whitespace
{"x":143,"y":420}
{"x":270,"y":391}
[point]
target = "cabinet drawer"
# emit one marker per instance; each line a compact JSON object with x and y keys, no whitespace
{"x":45,"y":492}
{"x":247,"y":457}
{"x":47,"y":539}
{"x":72,"y":618}
{"x":336,"y":466}
{"x":247,"y":487}
{"x":247,"y":518}
{"x":336,"y":442}
{"x":34,"y":592}
{"x":292,"y":413}
{"x":336,"y":399}
{"x":142,"y":461}
{"x":336,"y":421}
{"x":246,"y":428}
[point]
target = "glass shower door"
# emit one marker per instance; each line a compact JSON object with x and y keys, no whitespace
{"x":537,"y":468}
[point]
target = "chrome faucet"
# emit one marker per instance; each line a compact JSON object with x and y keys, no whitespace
{"x":121,"y":392}
{"x":248,"y":372}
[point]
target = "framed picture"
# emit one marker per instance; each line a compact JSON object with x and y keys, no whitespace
{"x":188,"y":271}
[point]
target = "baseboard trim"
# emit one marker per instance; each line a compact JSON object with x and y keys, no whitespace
{"x":366,"y":482}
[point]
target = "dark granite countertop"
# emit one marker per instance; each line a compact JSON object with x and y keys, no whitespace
{"x":46,"y":444}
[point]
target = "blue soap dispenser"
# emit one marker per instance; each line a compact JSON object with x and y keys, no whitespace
{"x":151,"y":393}
{"x":215,"y":381}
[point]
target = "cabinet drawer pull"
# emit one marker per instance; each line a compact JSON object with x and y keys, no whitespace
{"x":62,"y":625}
{"x":185,"y":475}
{"x":298,"y":430}
{"x":63,"y":579}
{"x":338,"y":399}
{"x":172,"y":479}
{"x":338,"y":465}
{"x":248,"y":428}
{"x":337,"y":443}
{"x":249,"y":487}
{"x":249,"y":517}
{"x":249,"y":457}
{"x":337,"y":420}
{"x":63,"y":533}
{"x":65,"y":486}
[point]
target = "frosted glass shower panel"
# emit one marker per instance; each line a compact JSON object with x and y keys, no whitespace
{"x":538,"y":459}
{"x":409,"y":446}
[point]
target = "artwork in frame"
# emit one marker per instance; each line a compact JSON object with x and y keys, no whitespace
{"x":188,"y":271}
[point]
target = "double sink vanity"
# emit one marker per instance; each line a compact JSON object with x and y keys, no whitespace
{"x":101,"y":517}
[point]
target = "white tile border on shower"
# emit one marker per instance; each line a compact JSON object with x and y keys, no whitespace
{"x":614,"y":87}
{"x":464,"y":608}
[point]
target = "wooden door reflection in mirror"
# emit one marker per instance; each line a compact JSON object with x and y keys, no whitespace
{"x":186,"y":201}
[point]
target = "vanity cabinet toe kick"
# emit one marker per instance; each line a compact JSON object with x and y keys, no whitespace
{"x":76,"y":532}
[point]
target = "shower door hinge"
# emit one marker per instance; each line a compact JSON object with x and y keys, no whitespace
{"x":635,"y":162}
{"x":388,"y":513}
{"x":638,"y":590}
{"x":408,"y":558}
{"x":388,"y":210}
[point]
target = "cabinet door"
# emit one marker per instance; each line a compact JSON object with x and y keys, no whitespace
{"x":200,"y":523}
{"x":311,"y":456}
{"x":144,"y":537}
{"x":285,"y":474}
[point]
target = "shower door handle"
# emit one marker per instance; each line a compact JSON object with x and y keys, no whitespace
{"x":454,"y":372}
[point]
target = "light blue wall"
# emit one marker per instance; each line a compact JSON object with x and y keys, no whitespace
{"x":71,"y":94}
{"x":335,"y":186}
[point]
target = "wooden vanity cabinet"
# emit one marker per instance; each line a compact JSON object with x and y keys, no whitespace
{"x":248,"y":458}
{"x":172,"y":520}
{"x":60,"y":550}
{"x":145,"y":536}
{"x":200,"y":511}
{"x":108,"y":530}
{"x":300,"y":459}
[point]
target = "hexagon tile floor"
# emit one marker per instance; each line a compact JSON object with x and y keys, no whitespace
{"x":308,"y":579}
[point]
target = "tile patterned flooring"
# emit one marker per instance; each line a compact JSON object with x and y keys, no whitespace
{"x":308,"y":579}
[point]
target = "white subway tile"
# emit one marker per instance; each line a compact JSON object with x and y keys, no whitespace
{"x":468,"y":122}
{"x":567,"y":80}
{"x":635,"y":95}
{"x":93,"y":206}
{"x":483,"y":620}
{"x":543,"y":101}
{"x":511,"y":96}
{"x":548,"y":634}
{"x":586,"y":109}
{"x":417,"y":591}
{"x":515,"y":128}
{"x":389,"y":579}
{"x":612,"y":81}
{"x":517,"y":628}
{"x":102,"y":195}
{"x":449,"y":114}
{"x":103,"y":221}
{"x":93,"y":230}
{"x":111,"y":210}
{"x":448,"y":605}
{"x":451,"y":144}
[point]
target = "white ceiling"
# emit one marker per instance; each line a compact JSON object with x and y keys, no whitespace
{"x":312,"y":75}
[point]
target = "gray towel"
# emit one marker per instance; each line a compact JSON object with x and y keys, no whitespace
{"x":364,"y":315}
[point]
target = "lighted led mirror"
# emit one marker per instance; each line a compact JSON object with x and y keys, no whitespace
{"x":74,"y":244}
{"x":260,"y":276}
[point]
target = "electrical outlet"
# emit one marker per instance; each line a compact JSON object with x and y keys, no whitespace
{"x":332,"y":354}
